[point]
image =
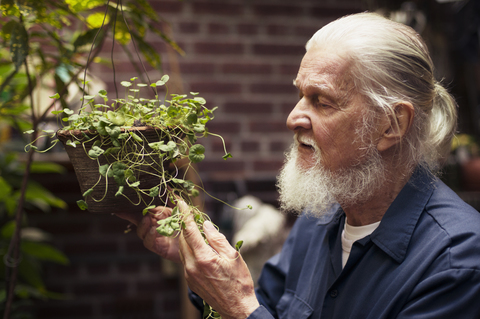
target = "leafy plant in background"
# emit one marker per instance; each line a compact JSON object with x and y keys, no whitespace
{"x":46,"y":46}
{"x":34,"y":248}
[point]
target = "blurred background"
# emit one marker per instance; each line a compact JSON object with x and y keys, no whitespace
{"x":242,"y":57}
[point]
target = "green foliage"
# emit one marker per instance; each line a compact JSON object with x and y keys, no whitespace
{"x":52,"y":38}
{"x":178,"y":122}
{"x":34,"y":248}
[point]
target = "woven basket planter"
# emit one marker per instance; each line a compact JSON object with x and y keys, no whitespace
{"x":88,"y":175}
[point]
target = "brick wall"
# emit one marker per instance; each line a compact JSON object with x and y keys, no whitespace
{"x":242,"y":56}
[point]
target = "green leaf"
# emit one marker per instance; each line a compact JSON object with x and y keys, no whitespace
{"x":192,"y":118}
{"x":136,"y":137}
{"x":29,"y":132}
{"x":118,"y":170}
{"x":88,"y":192}
{"x":126,"y":84}
{"x":116,"y":118}
{"x":56,"y":96}
{"x":68,"y":111}
{"x":5,"y":189}
{"x":82,"y":204}
{"x":146,"y":209}
{"x":72,"y":143}
{"x":238,"y":245}
{"x":39,"y":196}
{"x":103,"y":170}
{"x":119,"y":191}
{"x":228,"y":155}
{"x":19,"y":45}
{"x":44,"y":252}
{"x":154,"y":191}
{"x":163,"y":80}
{"x":113,"y":131}
{"x":170,"y":146}
{"x":95,"y":152}
{"x":196,"y":153}
{"x":47,"y":167}
{"x":156,"y":145}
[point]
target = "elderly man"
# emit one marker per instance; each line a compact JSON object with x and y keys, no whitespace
{"x":379,"y":236}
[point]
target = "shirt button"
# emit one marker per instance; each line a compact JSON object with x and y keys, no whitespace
{"x":333,"y":293}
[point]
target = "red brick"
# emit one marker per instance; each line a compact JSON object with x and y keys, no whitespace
{"x":223,"y":127}
{"x":215,"y":87}
{"x":333,"y":12}
{"x":247,"y":29}
{"x":218,"y":28}
{"x":277,"y":30}
{"x":247,"y":68}
{"x":100,"y":288}
{"x":290,"y":69}
{"x":276,"y":147}
{"x":306,"y":31}
{"x":268,"y":166}
{"x":274,"y":88}
{"x":277,"y":10}
{"x":189,"y":27}
{"x":93,"y":247}
{"x":268,"y":127}
{"x":217,"y":147}
{"x":286,"y":108}
{"x":246,"y":107}
{"x":57,"y":228}
{"x":250,"y":146}
{"x":231,"y":166}
{"x":139,"y":306}
{"x":129,"y":267}
{"x":278,"y":49}
{"x":217,"y":8}
{"x":61,"y":309}
{"x":98,"y":269}
{"x":197,"y":68}
{"x":218,"y":48}
{"x":135,"y":244}
{"x":113,"y":224}
{"x":166,"y":6}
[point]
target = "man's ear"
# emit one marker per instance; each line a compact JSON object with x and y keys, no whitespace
{"x":396,"y":126}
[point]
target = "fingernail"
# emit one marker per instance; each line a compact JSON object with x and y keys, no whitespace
{"x":152,"y":230}
{"x":208,"y":226}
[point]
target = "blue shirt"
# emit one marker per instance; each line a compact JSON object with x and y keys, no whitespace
{"x":423,"y":261}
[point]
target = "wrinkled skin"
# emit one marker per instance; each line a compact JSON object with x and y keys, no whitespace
{"x":217,"y":273}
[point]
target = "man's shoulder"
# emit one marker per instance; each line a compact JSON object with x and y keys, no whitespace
{"x":457,"y":224}
{"x":450,"y":211}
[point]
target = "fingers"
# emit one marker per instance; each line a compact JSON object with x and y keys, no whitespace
{"x":218,"y":241}
{"x":195,"y":241}
{"x":148,"y":223}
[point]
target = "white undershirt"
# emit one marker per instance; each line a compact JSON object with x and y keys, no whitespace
{"x":350,"y":234}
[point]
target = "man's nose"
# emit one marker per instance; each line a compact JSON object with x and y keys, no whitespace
{"x":298,"y":118}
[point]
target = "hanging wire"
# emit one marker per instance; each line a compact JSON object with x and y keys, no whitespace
{"x":113,"y":45}
{"x":90,"y":53}
{"x":136,"y":50}
{"x":119,"y":3}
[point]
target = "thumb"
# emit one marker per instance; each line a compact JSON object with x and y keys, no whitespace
{"x":218,"y":241}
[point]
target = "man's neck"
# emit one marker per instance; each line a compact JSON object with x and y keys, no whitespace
{"x":373,"y":209}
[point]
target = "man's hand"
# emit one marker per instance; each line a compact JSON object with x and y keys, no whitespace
{"x":217,"y":273}
{"x":166,"y":247}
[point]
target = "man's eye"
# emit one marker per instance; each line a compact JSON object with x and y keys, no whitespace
{"x":321,"y":103}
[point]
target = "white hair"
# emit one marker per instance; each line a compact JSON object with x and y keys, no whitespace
{"x":391,"y":64}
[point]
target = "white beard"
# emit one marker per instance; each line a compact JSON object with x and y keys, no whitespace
{"x":315,"y":190}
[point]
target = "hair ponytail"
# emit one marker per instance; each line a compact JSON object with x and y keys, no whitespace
{"x":443,"y":121}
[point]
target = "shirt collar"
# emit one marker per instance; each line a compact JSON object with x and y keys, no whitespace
{"x":397,"y":225}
